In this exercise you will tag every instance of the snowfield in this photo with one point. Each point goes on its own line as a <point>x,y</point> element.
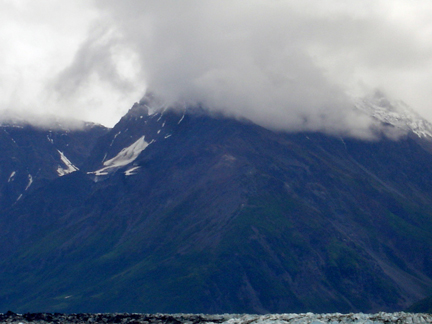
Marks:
<point>69,166</point>
<point>126,156</point>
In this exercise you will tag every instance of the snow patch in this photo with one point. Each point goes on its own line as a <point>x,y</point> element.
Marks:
<point>50,139</point>
<point>128,154</point>
<point>69,166</point>
<point>30,178</point>
<point>151,110</point>
<point>181,119</point>
<point>395,113</point>
<point>131,171</point>
<point>124,157</point>
<point>115,136</point>
<point>11,177</point>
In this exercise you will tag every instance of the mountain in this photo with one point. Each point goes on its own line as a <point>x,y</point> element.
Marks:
<point>182,210</point>
<point>32,156</point>
<point>422,306</point>
<point>395,113</point>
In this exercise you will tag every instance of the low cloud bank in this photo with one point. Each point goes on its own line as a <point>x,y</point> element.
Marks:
<point>282,63</point>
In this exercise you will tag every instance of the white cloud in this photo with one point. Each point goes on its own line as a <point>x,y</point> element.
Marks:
<point>42,41</point>
<point>283,63</point>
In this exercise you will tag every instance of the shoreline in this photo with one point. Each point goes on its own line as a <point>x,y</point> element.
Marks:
<point>140,318</point>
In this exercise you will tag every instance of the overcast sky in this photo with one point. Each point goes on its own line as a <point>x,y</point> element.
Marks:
<point>282,63</point>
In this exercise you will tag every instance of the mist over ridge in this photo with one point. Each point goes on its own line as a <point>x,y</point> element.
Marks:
<point>278,64</point>
<point>282,64</point>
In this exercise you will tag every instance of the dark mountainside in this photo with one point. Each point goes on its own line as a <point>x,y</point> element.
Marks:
<point>207,214</point>
<point>31,156</point>
<point>422,306</point>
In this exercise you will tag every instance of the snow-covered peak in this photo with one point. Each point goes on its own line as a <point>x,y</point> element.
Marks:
<point>150,103</point>
<point>396,113</point>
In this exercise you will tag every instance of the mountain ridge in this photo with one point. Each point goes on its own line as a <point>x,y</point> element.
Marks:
<point>222,215</point>
<point>33,156</point>
<point>395,113</point>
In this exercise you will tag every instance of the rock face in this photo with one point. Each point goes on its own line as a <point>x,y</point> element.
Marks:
<point>31,156</point>
<point>180,210</point>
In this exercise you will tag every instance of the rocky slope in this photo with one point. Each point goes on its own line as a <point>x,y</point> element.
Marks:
<point>32,156</point>
<point>180,210</point>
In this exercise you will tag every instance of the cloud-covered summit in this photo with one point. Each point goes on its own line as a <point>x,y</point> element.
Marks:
<point>282,63</point>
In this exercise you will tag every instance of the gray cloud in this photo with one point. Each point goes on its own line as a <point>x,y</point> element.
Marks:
<point>96,56</point>
<point>285,64</point>
<point>52,65</point>
<point>280,63</point>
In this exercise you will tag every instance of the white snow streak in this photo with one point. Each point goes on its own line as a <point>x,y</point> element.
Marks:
<point>30,178</point>
<point>180,120</point>
<point>131,171</point>
<point>11,177</point>
<point>69,166</point>
<point>128,154</point>
<point>124,157</point>
<point>115,136</point>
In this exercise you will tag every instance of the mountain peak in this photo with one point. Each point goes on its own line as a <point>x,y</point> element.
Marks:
<point>139,109</point>
<point>396,113</point>
<point>212,215</point>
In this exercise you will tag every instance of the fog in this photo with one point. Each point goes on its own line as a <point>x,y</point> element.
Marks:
<point>284,64</point>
